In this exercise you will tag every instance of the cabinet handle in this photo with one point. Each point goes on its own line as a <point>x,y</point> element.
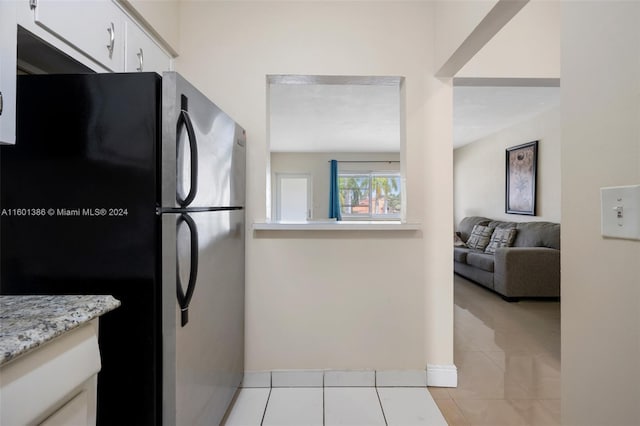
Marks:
<point>1,103</point>
<point>141,60</point>
<point>112,39</point>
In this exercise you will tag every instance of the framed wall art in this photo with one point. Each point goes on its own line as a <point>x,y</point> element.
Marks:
<point>521,170</point>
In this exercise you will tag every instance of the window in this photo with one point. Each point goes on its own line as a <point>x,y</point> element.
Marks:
<point>358,121</point>
<point>369,195</point>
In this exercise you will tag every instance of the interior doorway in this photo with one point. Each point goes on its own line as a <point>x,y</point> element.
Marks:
<point>293,197</point>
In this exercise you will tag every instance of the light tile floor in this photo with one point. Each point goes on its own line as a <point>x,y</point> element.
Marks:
<point>330,406</point>
<point>508,359</point>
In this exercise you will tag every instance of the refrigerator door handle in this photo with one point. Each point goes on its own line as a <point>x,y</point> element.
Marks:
<point>185,299</point>
<point>185,121</point>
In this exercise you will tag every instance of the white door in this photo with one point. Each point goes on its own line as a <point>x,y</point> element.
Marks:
<point>293,197</point>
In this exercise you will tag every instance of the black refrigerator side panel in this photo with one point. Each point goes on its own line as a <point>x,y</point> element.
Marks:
<point>77,203</point>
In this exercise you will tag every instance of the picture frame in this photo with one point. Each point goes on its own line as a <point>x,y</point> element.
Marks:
<point>521,175</point>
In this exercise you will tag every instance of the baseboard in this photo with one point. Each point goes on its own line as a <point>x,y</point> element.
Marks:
<point>435,375</point>
<point>349,378</point>
<point>401,378</point>
<point>297,379</point>
<point>445,376</point>
<point>256,379</point>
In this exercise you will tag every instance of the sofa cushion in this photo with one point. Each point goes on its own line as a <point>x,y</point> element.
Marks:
<point>538,234</point>
<point>480,237</point>
<point>499,224</point>
<point>480,260</point>
<point>460,254</point>
<point>501,237</point>
<point>467,224</point>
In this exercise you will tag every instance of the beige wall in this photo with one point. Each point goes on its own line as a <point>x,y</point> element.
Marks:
<point>456,20</point>
<point>316,164</point>
<point>336,299</point>
<point>600,277</point>
<point>162,15</point>
<point>528,46</point>
<point>479,171</point>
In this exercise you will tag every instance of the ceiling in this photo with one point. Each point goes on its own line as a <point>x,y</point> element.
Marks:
<point>331,114</point>
<point>481,111</point>
<point>319,117</point>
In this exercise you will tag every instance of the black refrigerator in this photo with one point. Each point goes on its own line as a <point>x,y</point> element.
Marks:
<point>133,185</point>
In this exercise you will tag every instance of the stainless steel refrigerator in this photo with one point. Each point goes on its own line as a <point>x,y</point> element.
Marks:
<point>134,185</point>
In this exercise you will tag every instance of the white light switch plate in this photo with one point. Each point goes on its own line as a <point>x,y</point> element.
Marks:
<point>621,212</point>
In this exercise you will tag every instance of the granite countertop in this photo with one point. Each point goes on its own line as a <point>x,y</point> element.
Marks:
<point>27,322</point>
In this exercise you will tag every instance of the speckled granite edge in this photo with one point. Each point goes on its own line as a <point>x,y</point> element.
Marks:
<point>27,322</point>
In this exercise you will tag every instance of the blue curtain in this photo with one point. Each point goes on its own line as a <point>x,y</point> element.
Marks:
<point>334,193</point>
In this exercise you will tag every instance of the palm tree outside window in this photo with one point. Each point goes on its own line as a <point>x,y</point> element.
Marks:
<point>369,195</point>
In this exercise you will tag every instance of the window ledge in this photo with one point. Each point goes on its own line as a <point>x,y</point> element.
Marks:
<point>336,226</point>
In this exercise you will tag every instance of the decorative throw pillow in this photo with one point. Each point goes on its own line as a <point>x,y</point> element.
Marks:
<point>457,241</point>
<point>501,238</point>
<point>479,238</point>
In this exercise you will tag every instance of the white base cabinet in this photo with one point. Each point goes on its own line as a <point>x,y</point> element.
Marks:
<point>74,412</point>
<point>55,384</point>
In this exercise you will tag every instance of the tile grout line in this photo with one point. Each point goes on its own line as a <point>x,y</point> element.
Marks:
<point>264,413</point>
<point>323,385</point>
<point>323,407</point>
<point>384,417</point>
<point>323,404</point>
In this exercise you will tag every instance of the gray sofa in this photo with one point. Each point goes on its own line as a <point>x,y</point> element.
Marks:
<point>529,268</point>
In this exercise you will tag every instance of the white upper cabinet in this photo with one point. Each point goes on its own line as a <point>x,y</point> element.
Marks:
<point>101,35</point>
<point>96,28</point>
<point>142,53</point>
<point>7,72</point>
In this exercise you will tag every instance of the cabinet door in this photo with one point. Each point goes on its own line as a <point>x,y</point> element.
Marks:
<point>8,52</point>
<point>95,28</point>
<point>142,53</point>
<point>74,412</point>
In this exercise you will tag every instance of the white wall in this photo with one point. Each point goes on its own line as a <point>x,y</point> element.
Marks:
<point>528,46</point>
<point>336,299</point>
<point>600,277</point>
<point>479,171</point>
<point>317,165</point>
